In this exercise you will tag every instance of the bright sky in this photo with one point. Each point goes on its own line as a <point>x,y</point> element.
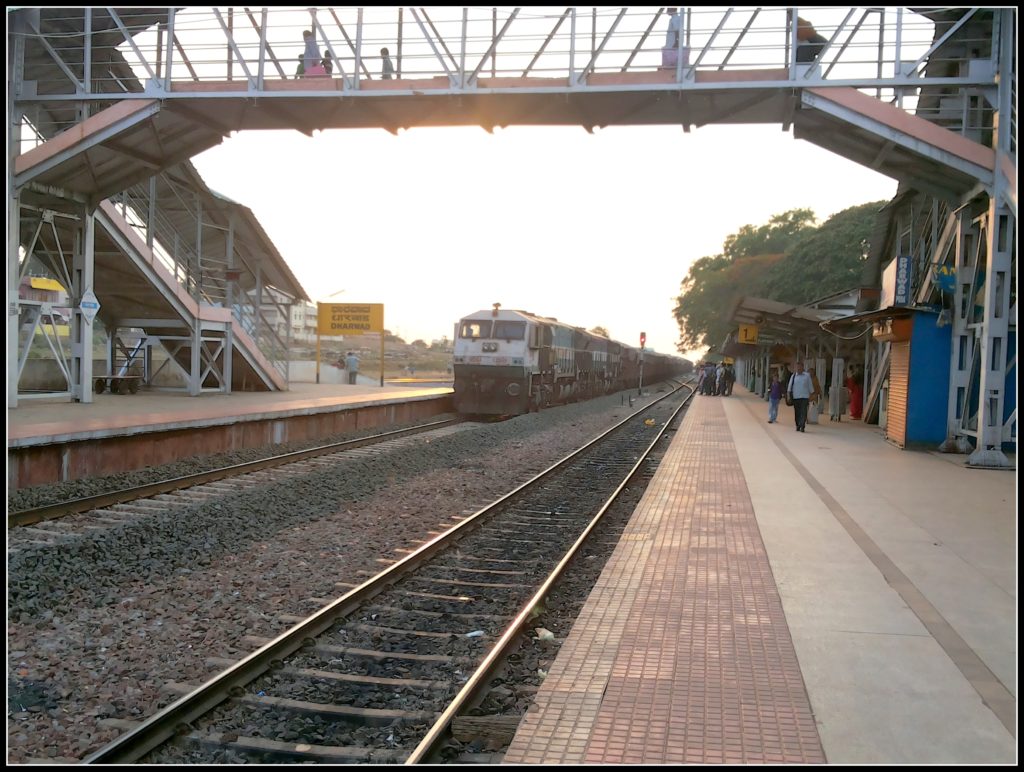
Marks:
<point>592,229</point>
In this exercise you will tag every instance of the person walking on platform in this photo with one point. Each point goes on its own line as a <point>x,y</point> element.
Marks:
<point>774,395</point>
<point>730,379</point>
<point>352,367</point>
<point>800,389</point>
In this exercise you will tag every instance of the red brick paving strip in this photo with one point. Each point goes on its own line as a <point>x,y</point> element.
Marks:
<point>682,653</point>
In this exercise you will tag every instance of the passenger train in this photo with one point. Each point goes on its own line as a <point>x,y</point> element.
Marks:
<point>514,362</point>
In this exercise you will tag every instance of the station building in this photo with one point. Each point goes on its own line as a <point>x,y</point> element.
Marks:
<point>908,341</point>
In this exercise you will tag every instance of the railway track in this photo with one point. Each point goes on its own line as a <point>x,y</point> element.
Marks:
<point>380,674</point>
<point>159,496</point>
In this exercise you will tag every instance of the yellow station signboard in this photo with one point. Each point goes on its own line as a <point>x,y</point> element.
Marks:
<point>349,318</point>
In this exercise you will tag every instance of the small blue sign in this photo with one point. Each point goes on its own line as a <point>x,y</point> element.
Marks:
<point>944,277</point>
<point>903,270</point>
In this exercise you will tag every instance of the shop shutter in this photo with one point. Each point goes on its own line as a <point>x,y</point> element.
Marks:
<point>899,388</point>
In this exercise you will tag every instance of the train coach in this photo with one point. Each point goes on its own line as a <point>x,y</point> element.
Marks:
<point>512,362</point>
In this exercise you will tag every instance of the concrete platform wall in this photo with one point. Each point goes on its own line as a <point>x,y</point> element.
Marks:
<point>77,459</point>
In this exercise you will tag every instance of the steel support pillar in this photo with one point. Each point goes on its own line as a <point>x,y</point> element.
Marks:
<point>229,333</point>
<point>81,328</point>
<point>13,304</point>
<point>994,338</point>
<point>962,337</point>
<point>1000,241</point>
<point>15,69</point>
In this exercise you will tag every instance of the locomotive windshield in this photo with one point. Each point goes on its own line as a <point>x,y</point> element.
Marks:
<point>475,328</point>
<point>504,330</point>
<point>497,329</point>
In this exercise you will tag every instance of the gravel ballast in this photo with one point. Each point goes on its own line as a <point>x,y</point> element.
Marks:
<point>99,622</point>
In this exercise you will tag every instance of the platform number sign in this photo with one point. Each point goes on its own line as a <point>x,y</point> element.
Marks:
<point>643,339</point>
<point>748,333</point>
<point>89,305</point>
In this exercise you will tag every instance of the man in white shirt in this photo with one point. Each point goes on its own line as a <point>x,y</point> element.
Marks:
<point>800,388</point>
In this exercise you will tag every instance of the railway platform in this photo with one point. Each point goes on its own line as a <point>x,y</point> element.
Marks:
<point>785,597</point>
<point>50,441</point>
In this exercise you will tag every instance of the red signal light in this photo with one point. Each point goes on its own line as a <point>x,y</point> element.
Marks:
<point>643,338</point>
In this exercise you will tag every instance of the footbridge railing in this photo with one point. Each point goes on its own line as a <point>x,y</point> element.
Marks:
<point>213,51</point>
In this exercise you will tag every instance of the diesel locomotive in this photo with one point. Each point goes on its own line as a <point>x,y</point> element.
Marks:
<point>514,362</point>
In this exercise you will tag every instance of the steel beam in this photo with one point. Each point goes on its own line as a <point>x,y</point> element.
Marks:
<point>891,134</point>
<point>118,127</point>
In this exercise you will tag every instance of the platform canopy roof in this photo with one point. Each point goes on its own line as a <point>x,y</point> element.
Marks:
<point>780,322</point>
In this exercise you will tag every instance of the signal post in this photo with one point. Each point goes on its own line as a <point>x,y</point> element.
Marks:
<point>640,386</point>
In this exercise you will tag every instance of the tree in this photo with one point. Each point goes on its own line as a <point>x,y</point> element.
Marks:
<point>599,330</point>
<point>707,295</point>
<point>828,260</point>
<point>780,232</point>
<point>787,259</point>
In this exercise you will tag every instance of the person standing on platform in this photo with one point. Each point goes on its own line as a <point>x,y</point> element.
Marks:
<point>774,395</point>
<point>856,393</point>
<point>800,389</point>
<point>809,43</point>
<point>387,69</point>
<point>719,379</point>
<point>311,56</point>
<point>352,367</point>
<point>670,53</point>
<point>730,379</point>
<point>812,407</point>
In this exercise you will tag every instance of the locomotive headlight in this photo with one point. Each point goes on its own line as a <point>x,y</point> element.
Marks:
<point>490,347</point>
<point>512,389</point>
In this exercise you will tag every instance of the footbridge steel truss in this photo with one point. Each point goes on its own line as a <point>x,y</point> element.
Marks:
<point>103,100</point>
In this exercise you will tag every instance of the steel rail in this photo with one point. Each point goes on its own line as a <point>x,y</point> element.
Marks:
<point>159,727</point>
<point>75,506</point>
<point>476,686</point>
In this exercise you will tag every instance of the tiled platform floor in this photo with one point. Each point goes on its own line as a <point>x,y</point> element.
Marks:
<point>741,619</point>
<point>682,653</point>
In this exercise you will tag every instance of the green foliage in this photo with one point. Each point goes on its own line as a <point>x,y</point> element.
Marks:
<point>779,234</point>
<point>599,330</point>
<point>828,260</point>
<point>788,259</point>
